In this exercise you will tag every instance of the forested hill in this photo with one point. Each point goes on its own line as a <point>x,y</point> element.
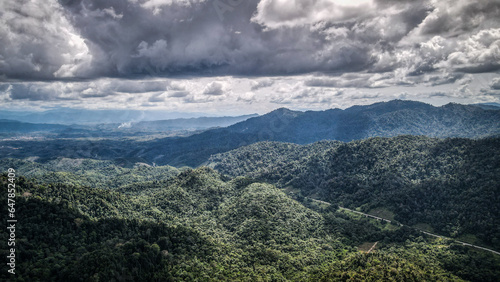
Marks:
<point>201,226</point>
<point>88,172</point>
<point>384,119</point>
<point>449,185</point>
<point>359,122</point>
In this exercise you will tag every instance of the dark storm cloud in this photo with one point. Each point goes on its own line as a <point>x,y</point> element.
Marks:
<point>437,94</point>
<point>346,81</point>
<point>4,87</point>
<point>25,92</point>
<point>90,38</point>
<point>439,80</point>
<point>95,95</point>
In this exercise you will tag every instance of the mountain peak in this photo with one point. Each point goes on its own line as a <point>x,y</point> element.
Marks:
<point>285,111</point>
<point>282,110</point>
<point>391,105</point>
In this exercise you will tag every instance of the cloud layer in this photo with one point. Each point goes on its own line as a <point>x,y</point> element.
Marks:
<point>90,38</point>
<point>345,44</point>
<point>237,95</point>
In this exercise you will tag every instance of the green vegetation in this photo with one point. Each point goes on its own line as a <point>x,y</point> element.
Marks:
<point>88,172</point>
<point>388,119</point>
<point>382,212</point>
<point>450,184</point>
<point>270,211</point>
<point>200,225</point>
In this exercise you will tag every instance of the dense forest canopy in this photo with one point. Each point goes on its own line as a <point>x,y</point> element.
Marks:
<point>252,218</point>
<point>279,197</point>
<point>202,225</point>
<point>453,185</point>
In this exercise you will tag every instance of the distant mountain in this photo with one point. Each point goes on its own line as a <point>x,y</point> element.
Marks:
<point>381,119</point>
<point>116,129</point>
<point>182,123</point>
<point>385,119</point>
<point>23,127</point>
<point>84,116</point>
<point>488,106</point>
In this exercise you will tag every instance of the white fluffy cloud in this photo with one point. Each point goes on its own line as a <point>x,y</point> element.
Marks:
<point>479,53</point>
<point>238,95</point>
<point>495,84</point>
<point>37,41</point>
<point>261,83</point>
<point>279,13</point>
<point>215,88</point>
<point>353,48</point>
<point>90,38</point>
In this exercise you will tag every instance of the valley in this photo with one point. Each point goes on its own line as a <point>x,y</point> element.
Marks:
<point>225,205</point>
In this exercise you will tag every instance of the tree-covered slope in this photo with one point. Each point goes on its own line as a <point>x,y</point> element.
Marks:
<point>382,119</point>
<point>201,225</point>
<point>88,172</point>
<point>453,185</point>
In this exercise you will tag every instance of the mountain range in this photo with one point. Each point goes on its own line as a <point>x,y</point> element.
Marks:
<point>70,116</point>
<point>385,119</point>
<point>115,129</point>
<point>279,197</point>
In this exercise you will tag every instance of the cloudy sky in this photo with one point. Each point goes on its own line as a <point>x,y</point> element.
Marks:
<point>246,56</point>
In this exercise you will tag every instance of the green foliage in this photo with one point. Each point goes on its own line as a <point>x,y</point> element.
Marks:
<point>201,225</point>
<point>125,219</point>
<point>382,267</point>
<point>88,172</point>
<point>177,229</point>
<point>262,213</point>
<point>385,119</point>
<point>450,184</point>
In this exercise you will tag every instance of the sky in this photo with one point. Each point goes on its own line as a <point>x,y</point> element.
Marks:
<point>246,56</point>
